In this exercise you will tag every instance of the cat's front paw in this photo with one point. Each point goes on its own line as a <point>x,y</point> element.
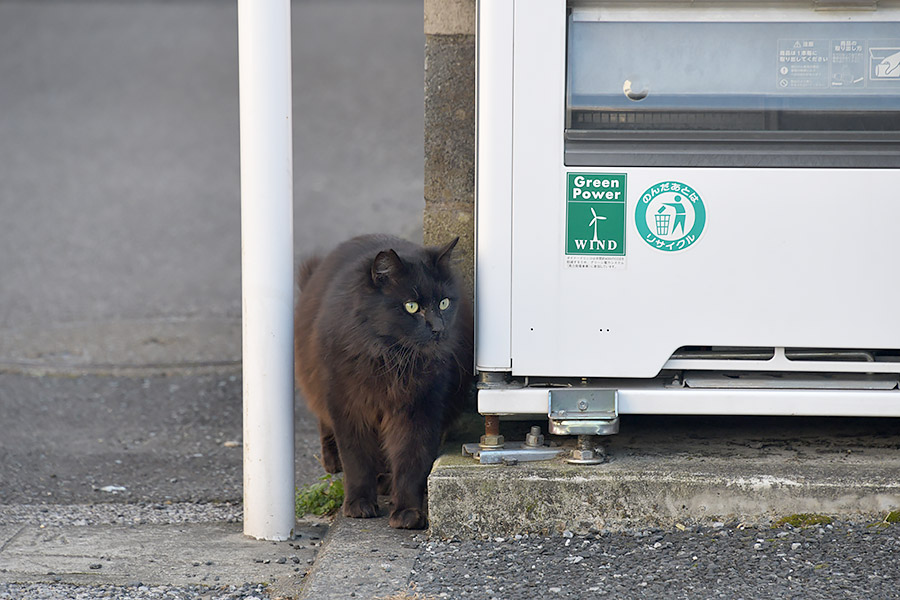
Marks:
<point>408,518</point>
<point>361,508</point>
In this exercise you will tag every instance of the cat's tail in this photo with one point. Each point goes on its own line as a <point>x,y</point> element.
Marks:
<point>307,268</point>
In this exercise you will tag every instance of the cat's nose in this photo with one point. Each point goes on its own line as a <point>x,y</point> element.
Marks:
<point>437,329</point>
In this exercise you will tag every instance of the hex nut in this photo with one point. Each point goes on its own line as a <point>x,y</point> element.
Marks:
<point>582,454</point>
<point>534,439</point>
<point>491,441</point>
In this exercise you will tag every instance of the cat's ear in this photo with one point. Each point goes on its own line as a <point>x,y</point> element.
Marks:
<point>386,266</point>
<point>442,255</point>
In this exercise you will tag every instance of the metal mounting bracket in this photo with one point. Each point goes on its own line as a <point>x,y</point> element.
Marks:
<point>583,411</point>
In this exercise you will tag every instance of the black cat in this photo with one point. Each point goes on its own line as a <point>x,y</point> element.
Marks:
<point>383,351</point>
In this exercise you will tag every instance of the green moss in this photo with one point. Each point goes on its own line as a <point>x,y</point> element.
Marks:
<point>322,499</point>
<point>893,517</point>
<point>804,520</point>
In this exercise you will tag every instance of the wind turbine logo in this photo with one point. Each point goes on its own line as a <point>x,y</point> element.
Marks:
<point>593,224</point>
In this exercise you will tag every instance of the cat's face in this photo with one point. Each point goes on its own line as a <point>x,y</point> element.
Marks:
<point>417,298</point>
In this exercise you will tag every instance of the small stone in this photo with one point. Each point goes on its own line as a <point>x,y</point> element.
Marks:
<point>281,560</point>
<point>96,566</point>
<point>554,590</point>
<point>567,534</point>
<point>232,444</point>
<point>795,545</point>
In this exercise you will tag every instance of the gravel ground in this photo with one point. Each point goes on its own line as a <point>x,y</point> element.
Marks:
<point>62,515</point>
<point>58,591</point>
<point>838,560</point>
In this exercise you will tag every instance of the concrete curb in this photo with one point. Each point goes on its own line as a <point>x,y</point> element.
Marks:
<point>363,558</point>
<point>211,554</point>
<point>449,17</point>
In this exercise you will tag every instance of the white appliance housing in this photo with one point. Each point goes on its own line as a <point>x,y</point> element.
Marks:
<point>703,241</point>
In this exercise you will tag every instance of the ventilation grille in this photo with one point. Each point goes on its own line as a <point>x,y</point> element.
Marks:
<point>739,353</point>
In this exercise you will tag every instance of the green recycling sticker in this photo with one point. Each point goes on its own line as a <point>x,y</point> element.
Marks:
<point>595,214</point>
<point>670,216</point>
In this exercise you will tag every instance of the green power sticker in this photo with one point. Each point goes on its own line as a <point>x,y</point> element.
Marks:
<point>595,214</point>
<point>670,216</point>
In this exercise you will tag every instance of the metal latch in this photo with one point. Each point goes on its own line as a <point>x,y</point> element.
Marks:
<point>582,411</point>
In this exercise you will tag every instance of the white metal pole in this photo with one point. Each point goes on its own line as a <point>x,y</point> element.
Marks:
<point>264,47</point>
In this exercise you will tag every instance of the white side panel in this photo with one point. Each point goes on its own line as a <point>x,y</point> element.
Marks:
<point>538,120</point>
<point>493,185</point>
<point>650,399</point>
<point>801,403</point>
<point>525,401</point>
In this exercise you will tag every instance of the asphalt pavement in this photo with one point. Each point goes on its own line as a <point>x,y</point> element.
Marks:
<point>119,178</point>
<point>120,382</point>
<point>119,196</point>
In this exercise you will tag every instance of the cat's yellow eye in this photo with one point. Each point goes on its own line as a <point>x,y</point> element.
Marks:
<point>445,304</point>
<point>412,307</point>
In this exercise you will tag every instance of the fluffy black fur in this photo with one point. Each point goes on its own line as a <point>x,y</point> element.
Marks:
<point>384,380</point>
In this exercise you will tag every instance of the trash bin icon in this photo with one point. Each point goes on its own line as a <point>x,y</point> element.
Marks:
<point>662,223</point>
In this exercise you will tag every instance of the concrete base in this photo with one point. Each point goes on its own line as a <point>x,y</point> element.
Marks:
<point>669,470</point>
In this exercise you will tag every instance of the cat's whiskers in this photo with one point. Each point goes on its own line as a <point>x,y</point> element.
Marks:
<point>395,358</point>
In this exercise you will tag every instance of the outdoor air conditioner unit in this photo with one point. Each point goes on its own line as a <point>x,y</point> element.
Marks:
<point>687,208</point>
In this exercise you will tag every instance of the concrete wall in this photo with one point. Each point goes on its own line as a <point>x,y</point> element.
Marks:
<point>450,127</point>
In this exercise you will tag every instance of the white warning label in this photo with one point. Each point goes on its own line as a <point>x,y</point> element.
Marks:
<point>803,64</point>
